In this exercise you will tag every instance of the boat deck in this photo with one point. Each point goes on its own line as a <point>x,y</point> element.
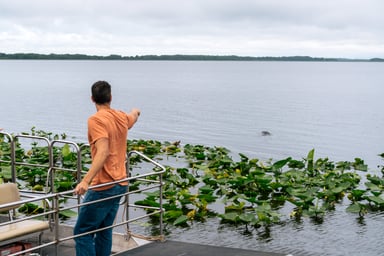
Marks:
<point>173,248</point>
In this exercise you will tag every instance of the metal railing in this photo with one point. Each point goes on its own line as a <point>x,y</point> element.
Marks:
<point>151,180</point>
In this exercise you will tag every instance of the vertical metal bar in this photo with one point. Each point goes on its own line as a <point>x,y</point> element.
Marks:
<point>51,170</point>
<point>127,195</point>
<point>161,203</point>
<point>56,220</point>
<point>78,174</point>
<point>13,158</point>
<point>12,161</point>
<point>79,157</point>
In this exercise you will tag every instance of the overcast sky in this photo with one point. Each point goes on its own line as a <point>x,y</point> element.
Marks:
<point>326,28</point>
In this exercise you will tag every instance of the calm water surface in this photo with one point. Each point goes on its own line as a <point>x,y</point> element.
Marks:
<point>335,108</point>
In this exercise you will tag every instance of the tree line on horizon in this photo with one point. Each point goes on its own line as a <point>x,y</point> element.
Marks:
<point>179,57</point>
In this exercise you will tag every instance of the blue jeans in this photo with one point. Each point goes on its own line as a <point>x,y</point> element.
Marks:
<point>95,216</point>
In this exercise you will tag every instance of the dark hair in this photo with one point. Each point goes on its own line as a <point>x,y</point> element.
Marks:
<point>101,92</point>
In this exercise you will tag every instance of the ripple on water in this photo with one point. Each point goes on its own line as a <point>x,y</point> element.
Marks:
<point>340,233</point>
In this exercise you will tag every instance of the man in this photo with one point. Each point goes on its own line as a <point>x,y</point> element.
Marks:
<point>107,136</point>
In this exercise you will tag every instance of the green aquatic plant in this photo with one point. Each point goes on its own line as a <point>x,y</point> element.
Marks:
<point>204,182</point>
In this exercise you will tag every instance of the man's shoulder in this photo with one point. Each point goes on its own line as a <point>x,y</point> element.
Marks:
<point>97,117</point>
<point>107,115</point>
<point>118,113</point>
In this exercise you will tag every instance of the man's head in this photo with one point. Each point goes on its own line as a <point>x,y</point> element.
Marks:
<point>101,92</point>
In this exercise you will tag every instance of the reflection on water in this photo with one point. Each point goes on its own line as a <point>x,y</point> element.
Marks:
<point>336,236</point>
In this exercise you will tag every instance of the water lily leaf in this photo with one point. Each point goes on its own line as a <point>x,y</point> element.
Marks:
<point>148,202</point>
<point>264,207</point>
<point>68,213</point>
<point>376,180</point>
<point>206,189</point>
<point>243,157</point>
<point>152,194</point>
<point>310,157</point>
<point>280,164</point>
<point>337,190</point>
<point>376,193</point>
<point>263,179</point>
<point>248,217</point>
<point>372,186</point>
<point>232,207</point>
<point>5,172</point>
<point>173,214</point>
<point>376,199</point>
<point>360,165</point>
<point>357,193</point>
<point>296,164</point>
<point>296,191</point>
<point>66,151</point>
<point>230,216</point>
<point>354,208</point>
<point>262,216</point>
<point>200,156</point>
<point>180,220</point>
<point>174,179</point>
<point>208,198</point>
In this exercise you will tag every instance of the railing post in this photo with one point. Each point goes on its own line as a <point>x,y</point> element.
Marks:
<point>57,222</point>
<point>13,158</point>
<point>127,166</point>
<point>51,176</point>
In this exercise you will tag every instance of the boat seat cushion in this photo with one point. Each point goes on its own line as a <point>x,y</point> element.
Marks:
<point>17,228</point>
<point>22,228</point>
<point>9,194</point>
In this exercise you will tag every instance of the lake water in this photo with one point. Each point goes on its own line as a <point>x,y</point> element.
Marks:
<point>335,108</point>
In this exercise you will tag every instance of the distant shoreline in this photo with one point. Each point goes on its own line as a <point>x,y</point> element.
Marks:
<point>176,57</point>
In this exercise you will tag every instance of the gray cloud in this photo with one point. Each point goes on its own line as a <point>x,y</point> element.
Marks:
<point>329,28</point>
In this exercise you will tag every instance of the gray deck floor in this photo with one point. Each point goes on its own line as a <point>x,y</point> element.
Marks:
<point>173,248</point>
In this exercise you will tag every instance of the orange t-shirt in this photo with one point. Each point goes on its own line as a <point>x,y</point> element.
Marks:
<point>113,125</point>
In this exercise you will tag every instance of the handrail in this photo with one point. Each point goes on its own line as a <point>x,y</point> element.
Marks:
<point>25,201</point>
<point>54,197</point>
